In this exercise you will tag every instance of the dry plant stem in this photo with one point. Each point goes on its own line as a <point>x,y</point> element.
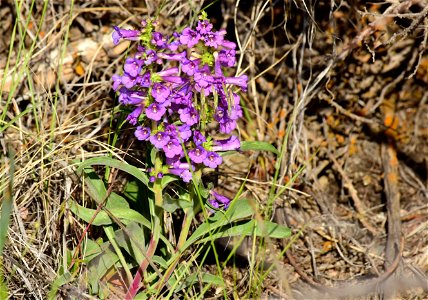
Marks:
<point>392,193</point>
<point>99,207</point>
<point>359,206</point>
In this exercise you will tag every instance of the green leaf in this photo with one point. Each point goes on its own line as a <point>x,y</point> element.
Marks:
<point>91,250</point>
<point>132,241</point>
<point>170,204</point>
<point>166,179</point>
<point>116,201</point>
<point>258,146</point>
<point>124,214</point>
<point>99,266</point>
<point>114,163</point>
<point>272,230</point>
<point>240,210</point>
<point>58,282</point>
<point>252,228</point>
<point>6,204</point>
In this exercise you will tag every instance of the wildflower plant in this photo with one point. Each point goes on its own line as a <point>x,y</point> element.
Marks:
<point>181,100</point>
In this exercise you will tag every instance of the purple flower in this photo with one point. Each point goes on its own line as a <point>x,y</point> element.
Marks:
<point>133,66</point>
<point>174,56</point>
<point>227,58</point>
<point>232,143</point>
<point>203,77</point>
<point>184,174</point>
<point>227,126</point>
<point>134,115</point>
<point>184,132</point>
<point>127,34</point>
<point>171,130</point>
<point>117,81</point>
<point>168,72</point>
<point>159,139</point>
<point>217,200</point>
<point>173,46</point>
<point>145,81</point>
<point>189,37</point>
<point>172,148</point>
<point>214,39</point>
<point>158,39</point>
<point>198,154</point>
<point>240,81</point>
<point>173,161</point>
<point>160,92</point>
<point>213,160</point>
<point>228,44</point>
<point>128,81</point>
<point>127,97</point>
<point>204,27</point>
<point>189,115</point>
<point>142,133</point>
<point>155,111</point>
<point>190,66</point>
<point>198,138</point>
<point>151,57</point>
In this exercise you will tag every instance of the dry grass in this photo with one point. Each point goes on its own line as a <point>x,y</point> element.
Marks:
<point>333,85</point>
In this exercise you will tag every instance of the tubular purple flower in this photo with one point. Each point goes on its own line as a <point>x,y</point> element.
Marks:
<point>174,162</point>
<point>128,81</point>
<point>171,130</point>
<point>190,66</point>
<point>232,143</point>
<point>117,81</point>
<point>129,97</point>
<point>151,57</point>
<point>184,132</point>
<point>227,57</point>
<point>189,115</point>
<point>127,34</point>
<point>198,138</point>
<point>133,66</point>
<point>168,72</point>
<point>204,27</point>
<point>178,56</point>
<point>227,126</point>
<point>160,92</point>
<point>132,118</point>
<point>155,111</point>
<point>218,199</point>
<point>214,39</point>
<point>228,44</point>
<point>158,39</point>
<point>189,37</point>
<point>142,133</point>
<point>172,148</point>
<point>240,81</point>
<point>144,80</point>
<point>173,46</point>
<point>198,154</point>
<point>184,174</point>
<point>159,139</point>
<point>176,80</point>
<point>203,77</point>
<point>213,160</point>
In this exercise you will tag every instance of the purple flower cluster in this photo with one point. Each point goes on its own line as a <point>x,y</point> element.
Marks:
<point>176,86</point>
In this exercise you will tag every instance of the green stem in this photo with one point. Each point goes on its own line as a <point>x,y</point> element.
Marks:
<point>157,218</point>
<point>187,222</point>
